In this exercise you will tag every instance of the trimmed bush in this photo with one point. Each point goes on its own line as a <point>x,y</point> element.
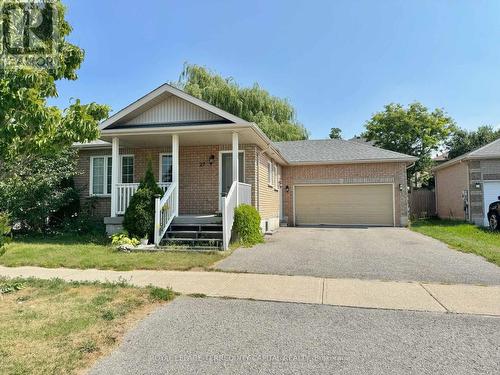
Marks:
<point>139,219</point>
<point>247,225</point>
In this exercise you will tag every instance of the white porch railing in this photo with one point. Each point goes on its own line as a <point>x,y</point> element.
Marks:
<point>239,193</point>
<point>125,193</point>
<point>165,211</point>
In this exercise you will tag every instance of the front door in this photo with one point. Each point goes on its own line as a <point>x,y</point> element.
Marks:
<point>226,171</point>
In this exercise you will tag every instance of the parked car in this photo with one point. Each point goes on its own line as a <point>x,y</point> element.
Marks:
<point>494,215</point>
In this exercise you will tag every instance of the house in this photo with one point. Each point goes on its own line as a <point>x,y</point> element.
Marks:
<point>208,161</point>
<point>466,185</point>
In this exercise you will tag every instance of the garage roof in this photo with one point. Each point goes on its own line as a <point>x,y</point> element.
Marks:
<point>337,151</point>
<point>491,150</point>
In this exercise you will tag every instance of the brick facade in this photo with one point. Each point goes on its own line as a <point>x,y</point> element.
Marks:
<point>199,180</point>
<point>450,184</point>
<point>481,171</point>
<point>345,174</point>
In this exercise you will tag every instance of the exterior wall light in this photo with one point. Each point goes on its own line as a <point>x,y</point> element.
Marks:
<point>478,185</point>
<point>400,187</point>
<point>287,188</point>
<point>211,159</point>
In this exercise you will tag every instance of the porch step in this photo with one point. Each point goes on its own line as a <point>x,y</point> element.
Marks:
<point>195,231</point>
<point>198,219</point>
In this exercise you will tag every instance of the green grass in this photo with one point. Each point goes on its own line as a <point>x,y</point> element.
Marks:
<point>462,236</point>
<point>94,252</point>
<point>55,327</point>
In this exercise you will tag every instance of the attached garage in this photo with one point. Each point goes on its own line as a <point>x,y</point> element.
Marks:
<point>366,204</point>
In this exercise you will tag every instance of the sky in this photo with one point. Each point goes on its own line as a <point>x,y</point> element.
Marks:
<point>337,62</point>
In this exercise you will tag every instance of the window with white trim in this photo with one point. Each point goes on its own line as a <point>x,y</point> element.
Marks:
<point>127,169</point>
<point>100,171</point>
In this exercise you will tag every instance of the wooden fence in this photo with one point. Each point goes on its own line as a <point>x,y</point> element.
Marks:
<point>422,203</point>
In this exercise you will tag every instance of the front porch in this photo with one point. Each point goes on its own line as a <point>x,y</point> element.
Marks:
<point>200,174</point>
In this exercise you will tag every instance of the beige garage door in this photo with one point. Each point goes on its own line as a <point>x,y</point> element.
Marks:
<point>344,205</point>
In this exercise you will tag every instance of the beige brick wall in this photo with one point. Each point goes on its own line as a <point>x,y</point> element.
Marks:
<point>450,184</point>
<point>198,179</point>
<point>345,174</point>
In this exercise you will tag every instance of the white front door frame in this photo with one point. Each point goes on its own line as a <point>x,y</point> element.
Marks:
<point>220,171</point>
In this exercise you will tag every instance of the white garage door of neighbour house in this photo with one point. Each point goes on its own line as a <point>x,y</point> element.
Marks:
<point>491,193</point>
<point>344,205</point>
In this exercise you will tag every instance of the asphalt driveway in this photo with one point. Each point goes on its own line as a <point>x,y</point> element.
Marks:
<point>365,253</point>
<point>217,336</point>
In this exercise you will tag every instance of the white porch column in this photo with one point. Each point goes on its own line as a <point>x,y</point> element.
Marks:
<point>236,159</point>
<point>175,169</point>
<point>115,173</point>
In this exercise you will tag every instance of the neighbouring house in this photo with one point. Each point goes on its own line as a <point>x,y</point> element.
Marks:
<point>207,161</point>
<point>466,185</point>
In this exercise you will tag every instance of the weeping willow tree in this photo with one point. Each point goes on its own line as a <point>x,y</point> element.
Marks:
<point>275,116</point>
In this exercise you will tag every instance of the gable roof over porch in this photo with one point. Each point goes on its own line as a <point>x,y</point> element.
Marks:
<point>167,106</point>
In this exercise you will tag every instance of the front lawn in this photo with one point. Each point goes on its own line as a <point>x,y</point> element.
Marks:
<point>53,327</point>
<point>91,252</point>
<point>462,236</point>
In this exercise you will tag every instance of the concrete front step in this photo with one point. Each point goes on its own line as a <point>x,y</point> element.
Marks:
<point>198,219</point>
<point>196,231</point>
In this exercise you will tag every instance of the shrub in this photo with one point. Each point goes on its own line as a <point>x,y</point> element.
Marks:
<point>122,238</point>
<point>37,190</point>
<point>246,225</point>
<point>139,219</point>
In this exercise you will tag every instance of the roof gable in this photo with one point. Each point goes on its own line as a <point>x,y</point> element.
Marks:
<point>166,105</point>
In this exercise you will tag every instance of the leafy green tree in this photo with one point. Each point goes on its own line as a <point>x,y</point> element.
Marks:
<point>33,188</point>
<point>36,159</point>
<point>463,141</point>
<point>27,123</point>
<point>411,130</point>
<point>335,133</point>
<point>139,217</point>
<point>275,116</point>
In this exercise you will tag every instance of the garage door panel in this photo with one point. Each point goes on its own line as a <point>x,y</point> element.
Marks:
<point>344,205</point>
<point>491,191</point>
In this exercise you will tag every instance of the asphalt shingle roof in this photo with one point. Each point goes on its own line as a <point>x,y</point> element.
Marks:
<point>491,149</point>
<point>335,150</point>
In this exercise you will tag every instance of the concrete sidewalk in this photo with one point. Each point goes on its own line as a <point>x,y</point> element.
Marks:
<point>465,299</point>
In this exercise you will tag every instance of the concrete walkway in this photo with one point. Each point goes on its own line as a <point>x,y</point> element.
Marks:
<point>465,299</point>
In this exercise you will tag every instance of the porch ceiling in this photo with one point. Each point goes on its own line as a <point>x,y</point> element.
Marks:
<point>197,138</point>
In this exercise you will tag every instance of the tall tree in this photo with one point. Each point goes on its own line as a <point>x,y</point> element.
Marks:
<point>35,137</point>
<point>413,130</point>
<point>463,141</point>
<point>275,116</point>
<point>27,123</point>
<point>335,133</point>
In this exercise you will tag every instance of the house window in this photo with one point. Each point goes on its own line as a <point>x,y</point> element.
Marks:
<point>100,167</point>
<point>166,168</point>
<point>275,176</point>
<point>270,172</point>
<point>127,169</point>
